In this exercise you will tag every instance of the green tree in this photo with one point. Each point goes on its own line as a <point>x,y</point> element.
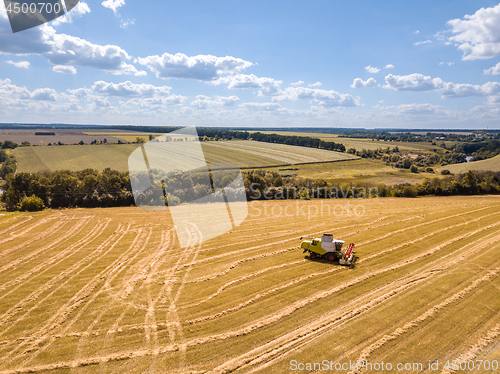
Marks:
<point>31,204</point>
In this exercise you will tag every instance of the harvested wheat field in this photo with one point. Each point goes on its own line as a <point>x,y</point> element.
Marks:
<point>110,291</point>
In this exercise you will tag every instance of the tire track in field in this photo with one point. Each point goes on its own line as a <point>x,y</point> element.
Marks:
<point>44,266</point>
<point>17,308</point>
<point>71,232</point>
<point>172,318</point>
<point>150,323</point>
<point>282,346</point>
<point>62,314</point>
<point>245,361</point>
<point>16,234</point>
<point>107,275</point>
<point>130,283</point>
<point>246,277</point>
<point>423,224</point>
<point>477,348</point>
<point>427,314</point>
<point>27,218</point>
<point>280,288</point>
<point>27,243</point>
<point>378,254</point>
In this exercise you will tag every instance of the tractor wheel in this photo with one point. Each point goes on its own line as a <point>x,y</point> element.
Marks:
<point>312,256</point>
<point>330,257</point>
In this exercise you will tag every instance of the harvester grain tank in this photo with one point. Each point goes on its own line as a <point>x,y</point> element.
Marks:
<point>329,248</point>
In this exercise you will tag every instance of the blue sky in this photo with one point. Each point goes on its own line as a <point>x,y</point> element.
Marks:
<point>369,64</point>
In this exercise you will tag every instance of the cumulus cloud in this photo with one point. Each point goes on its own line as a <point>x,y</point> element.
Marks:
<point>261,107</point>
<point>317,96</point>
<point>371,69</point>
<point>62,49</point>
<point>78,11</point>
<point>129,89</point>
<point>495,70</point>
<point>317,84</point>
<point>200,67</point>
<point>20,64</point>
<point>113,4</point>
<point>266,86</point>
<point>413,82</point>
<point>477,35</point>
<point>297,83</point>
<point>423,42</point>
<point>419,82</point>
<point>7,89</point>
<point>416,32</point>
<point>360,83</point>
<point>418,109</point>
<point>64,69</point>
<point>446,63</point>
<point>389,66</point>
<point>47,94</point>
<point>203,102</point>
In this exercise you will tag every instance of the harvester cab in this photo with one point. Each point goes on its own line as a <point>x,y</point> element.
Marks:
<point>329,248</point>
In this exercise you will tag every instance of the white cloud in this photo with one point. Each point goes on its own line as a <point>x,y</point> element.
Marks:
<point>413,82</point>
<point>261,107</point>
<point>389,66</point>
<point>11,91</point>
<point>124,24</point>
<point>78,11</point>
<point>495,70</point>
<point>416,32</point>
<point>200,67</point>
<point>47,94</point>
<point>360,83</point>
<point>62,49</point>
<point>129,89</point>
<point>20,64</point>
<point>202,102</point>
<point>371,69</point>
<point>64,69</point>
<point>297,83</point>
<point>317,96</point>
<point>478,35</point>
<point>418,109</point>
<point>419,82</point>
<point>266,86</point>
<point>317,84</point>
<point>113,4</point>
<point>423,42</point>
<point>446,63</point>
<point>464,90</point>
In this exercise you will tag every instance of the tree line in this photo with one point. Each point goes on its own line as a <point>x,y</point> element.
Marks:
<point>110,188</point>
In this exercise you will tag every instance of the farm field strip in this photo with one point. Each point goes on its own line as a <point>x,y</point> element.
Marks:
<point>118,289</point>
<point>244,153</point>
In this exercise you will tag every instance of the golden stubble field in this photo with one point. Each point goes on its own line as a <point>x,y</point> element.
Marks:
<point>110,291</point>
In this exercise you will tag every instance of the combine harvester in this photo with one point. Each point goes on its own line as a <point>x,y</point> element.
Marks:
<point>329,248</point>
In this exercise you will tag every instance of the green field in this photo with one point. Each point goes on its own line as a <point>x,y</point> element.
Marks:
<point>355,171</point>
<point>491,164</point>
<point>110,290</point>
<point>360,143</point>
<point>244,153</point>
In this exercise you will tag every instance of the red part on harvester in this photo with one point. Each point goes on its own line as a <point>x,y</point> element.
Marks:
<point>349,251</point>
